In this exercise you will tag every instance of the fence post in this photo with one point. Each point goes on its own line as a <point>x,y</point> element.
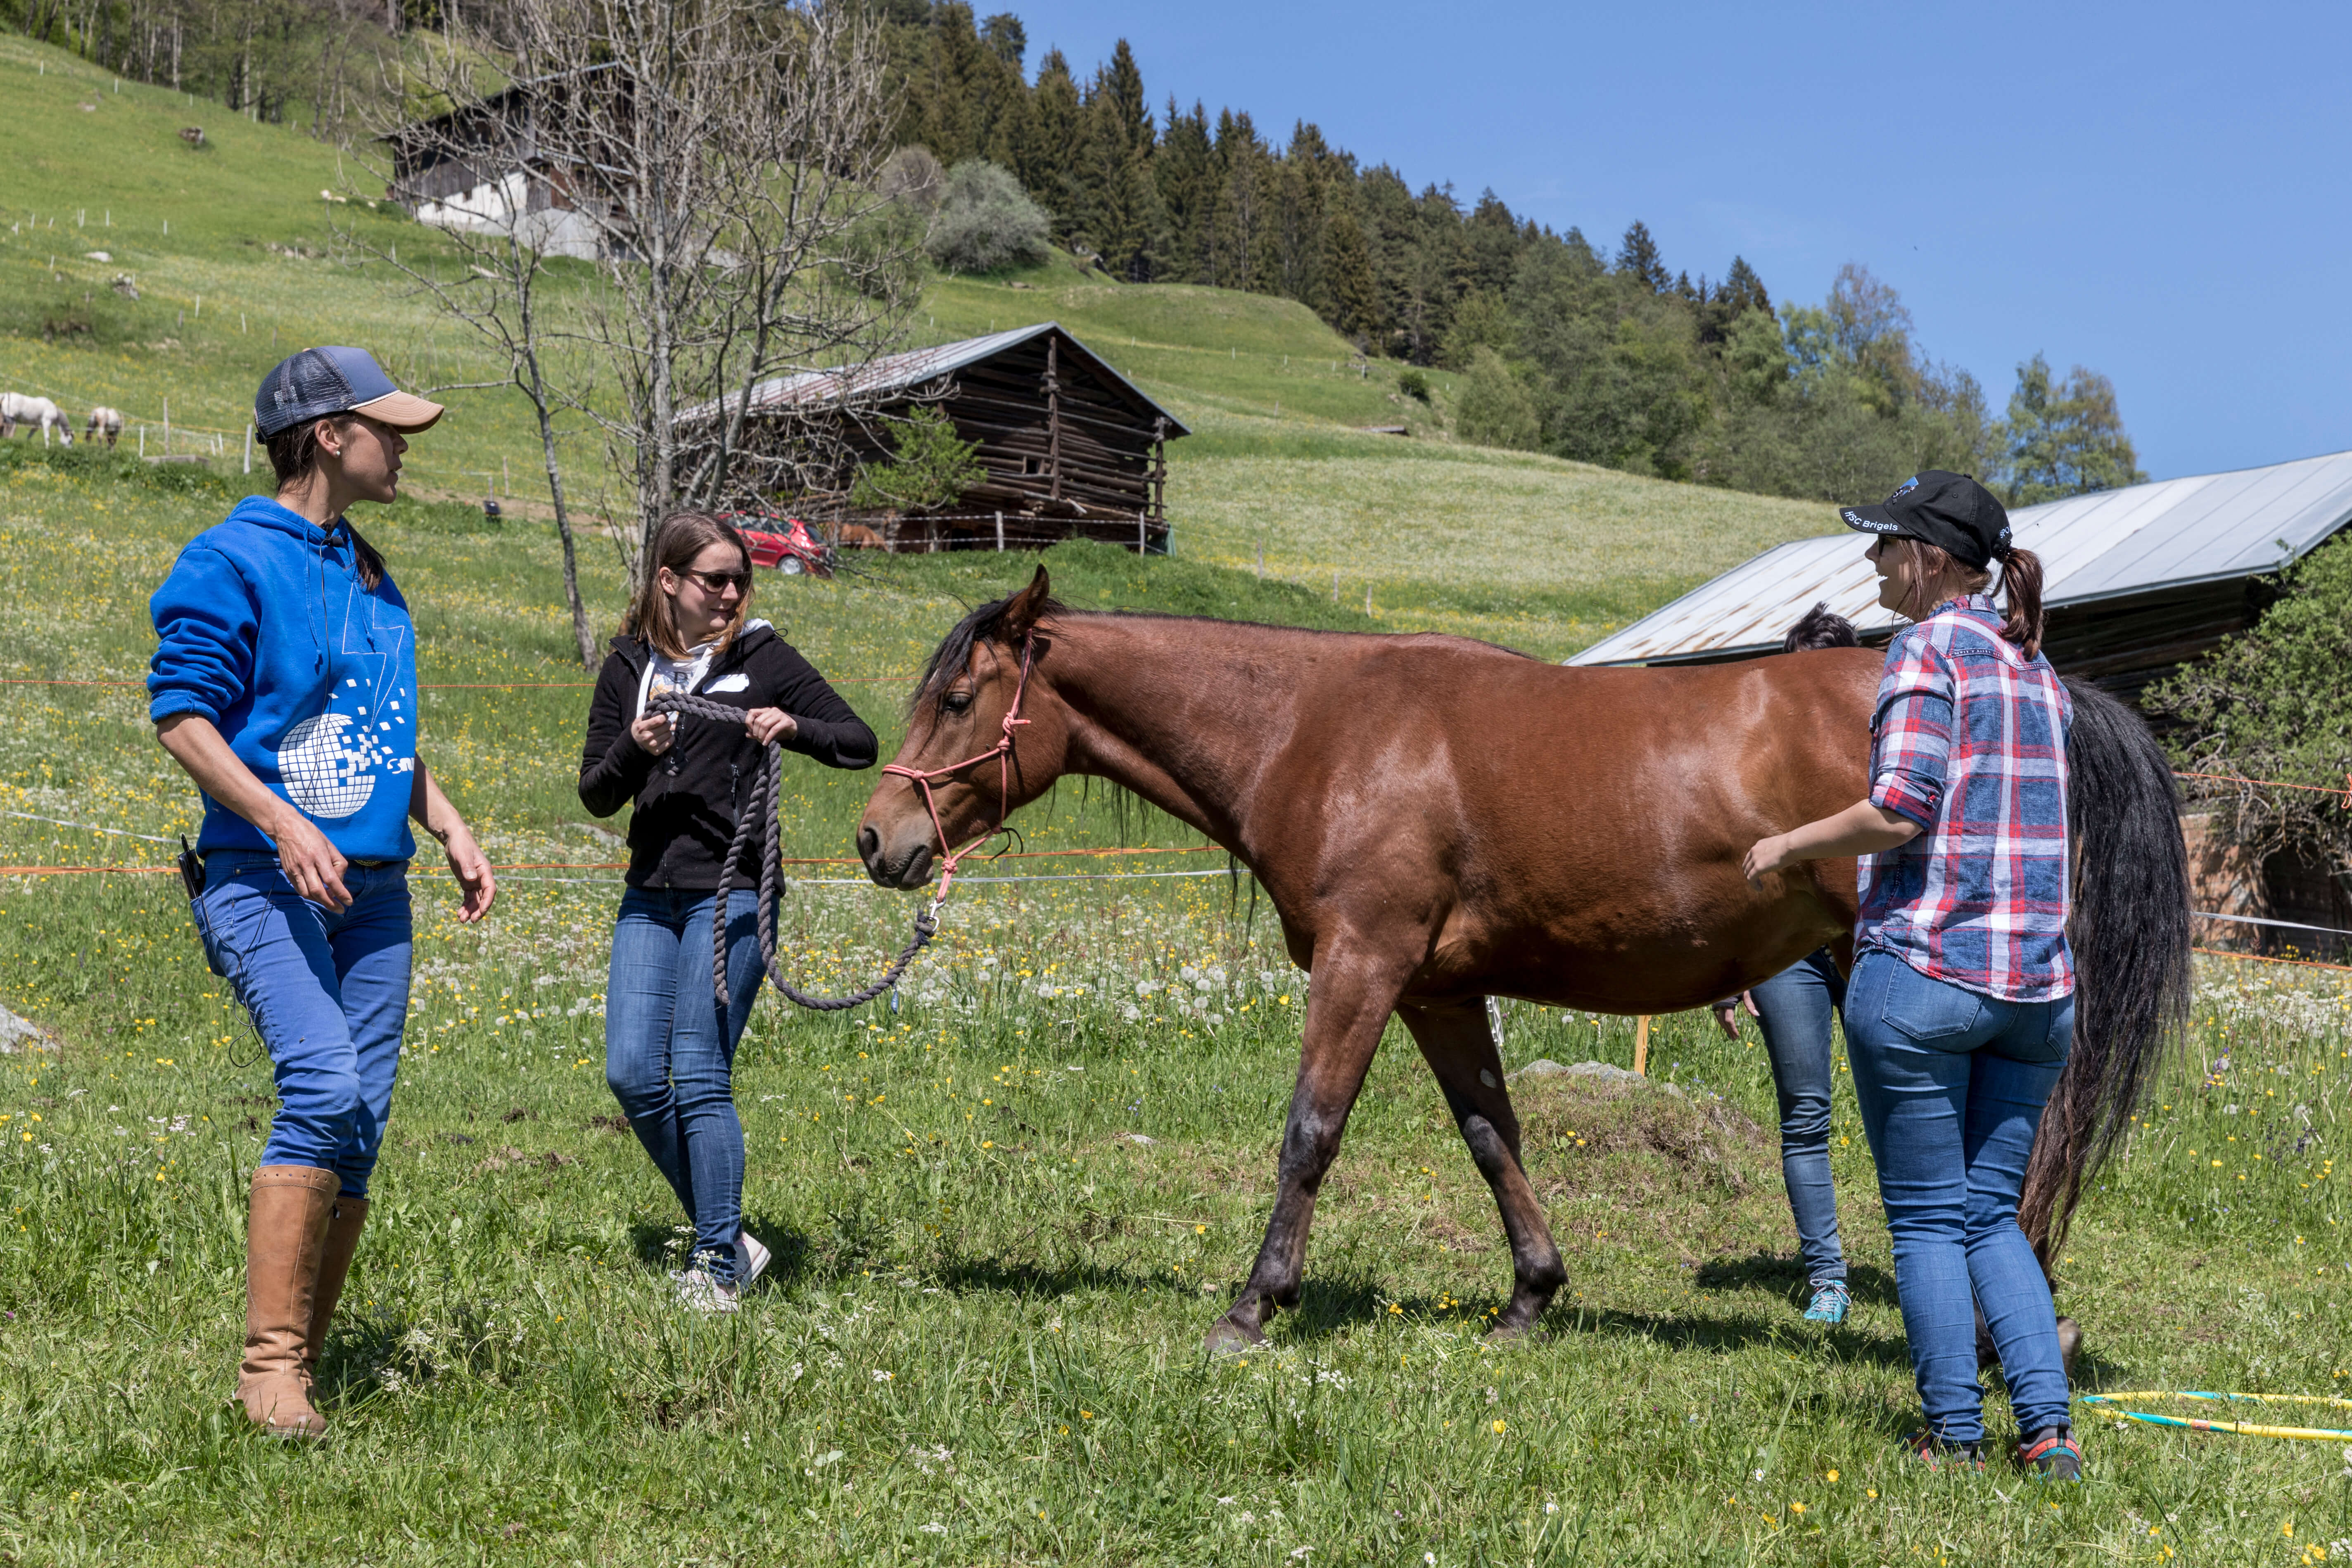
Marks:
<point>1142,535</point>
<point>1000,533</point>
<point>1642,1045</point>
<point>248,445</point>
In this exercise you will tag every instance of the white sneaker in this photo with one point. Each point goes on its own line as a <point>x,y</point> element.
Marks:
<point>751,1261</point>
<point>701,1291</point>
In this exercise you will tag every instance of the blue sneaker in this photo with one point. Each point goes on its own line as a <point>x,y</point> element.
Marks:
<point>1830,1300</point>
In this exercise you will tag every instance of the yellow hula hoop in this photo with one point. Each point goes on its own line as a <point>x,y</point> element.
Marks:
<point>2236,1428</point>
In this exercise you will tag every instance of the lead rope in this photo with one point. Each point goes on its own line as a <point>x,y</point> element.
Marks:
<point>766,792</point>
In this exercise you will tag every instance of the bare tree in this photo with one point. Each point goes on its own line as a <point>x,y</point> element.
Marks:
<point>725,156</point>
<point>469,169</point>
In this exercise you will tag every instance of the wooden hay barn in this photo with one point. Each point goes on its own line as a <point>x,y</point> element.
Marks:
<point>485,168</point>
<point>1072,448</point>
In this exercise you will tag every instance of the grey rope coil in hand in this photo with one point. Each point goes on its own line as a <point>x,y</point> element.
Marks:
<point>767,791</point>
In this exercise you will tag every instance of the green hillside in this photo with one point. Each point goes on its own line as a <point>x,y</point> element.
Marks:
<point>232,250</point>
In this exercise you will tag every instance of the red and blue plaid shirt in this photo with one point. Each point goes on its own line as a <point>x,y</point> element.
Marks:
<point>1970,742</point>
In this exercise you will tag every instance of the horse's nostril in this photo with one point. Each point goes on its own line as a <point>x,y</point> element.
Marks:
<point>869,844</point>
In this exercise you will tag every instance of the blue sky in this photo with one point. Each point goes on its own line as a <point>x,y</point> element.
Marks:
<point>2157,191</point>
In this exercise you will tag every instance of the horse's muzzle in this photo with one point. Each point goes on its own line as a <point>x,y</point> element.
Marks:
<point>904,865</point>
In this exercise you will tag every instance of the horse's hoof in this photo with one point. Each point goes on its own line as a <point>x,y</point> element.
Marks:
<point>1226,1337</point>
<point>2069,1340</point>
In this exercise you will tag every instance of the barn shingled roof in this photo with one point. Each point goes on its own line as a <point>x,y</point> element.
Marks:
<point>915,367</point>
<point>2172,533</point>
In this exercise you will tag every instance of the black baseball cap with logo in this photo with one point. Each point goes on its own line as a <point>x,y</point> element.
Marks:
<point>1951,511</point>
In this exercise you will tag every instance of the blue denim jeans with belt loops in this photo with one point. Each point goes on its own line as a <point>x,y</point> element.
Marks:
<point>1795,1008</point>
<point>669,1053</point>
<point>327,992</point>
<point>1952,1086</point>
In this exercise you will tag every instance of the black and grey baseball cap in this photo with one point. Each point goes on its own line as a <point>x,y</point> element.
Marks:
<point>1951,511</point>
<point>315,383</point>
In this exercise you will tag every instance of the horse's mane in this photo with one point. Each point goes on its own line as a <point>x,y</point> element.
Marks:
<point>954,653</point>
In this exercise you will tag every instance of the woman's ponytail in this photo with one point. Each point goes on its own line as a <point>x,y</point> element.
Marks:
<point>2020,581</point>
<point>366,559</point>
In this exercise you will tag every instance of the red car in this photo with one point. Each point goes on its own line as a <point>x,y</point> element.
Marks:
<point>783,543</point>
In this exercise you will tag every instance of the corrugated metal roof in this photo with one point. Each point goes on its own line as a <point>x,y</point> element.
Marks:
<point>900,372</point>
<point>2170,533</point>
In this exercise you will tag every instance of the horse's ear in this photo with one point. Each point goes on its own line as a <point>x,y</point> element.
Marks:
<point>1021,614</point>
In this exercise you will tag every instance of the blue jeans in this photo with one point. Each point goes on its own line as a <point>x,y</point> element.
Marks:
<point>1952,1087</point>
<point>327,992</point>
<point>1795,1007</point>
<point>669,1055</point>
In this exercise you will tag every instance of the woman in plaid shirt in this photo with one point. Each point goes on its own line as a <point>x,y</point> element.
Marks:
<point>1960,1008</point>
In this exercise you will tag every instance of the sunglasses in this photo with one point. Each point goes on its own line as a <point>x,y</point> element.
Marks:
<point>720,581</point>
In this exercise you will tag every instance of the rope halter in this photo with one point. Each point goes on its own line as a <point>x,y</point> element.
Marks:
<point>1003,752</point>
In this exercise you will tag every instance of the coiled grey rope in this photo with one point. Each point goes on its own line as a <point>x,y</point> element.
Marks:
<point>767,791</point>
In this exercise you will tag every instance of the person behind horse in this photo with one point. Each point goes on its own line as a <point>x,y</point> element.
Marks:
<point>1961,1009</point>
<point>669,1052</point>
<point>1794,1009</point>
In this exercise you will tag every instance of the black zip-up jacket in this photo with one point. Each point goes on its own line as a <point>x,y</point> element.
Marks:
<point>687,798</point>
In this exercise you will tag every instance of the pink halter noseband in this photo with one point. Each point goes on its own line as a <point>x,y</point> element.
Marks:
<point>1001,751</point>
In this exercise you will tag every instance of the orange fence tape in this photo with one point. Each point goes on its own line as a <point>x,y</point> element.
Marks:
<point>2265,957</point>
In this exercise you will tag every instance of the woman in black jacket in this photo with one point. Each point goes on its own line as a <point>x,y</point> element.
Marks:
<point>668,1054</point>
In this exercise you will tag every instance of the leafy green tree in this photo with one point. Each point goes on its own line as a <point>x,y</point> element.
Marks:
<point>1494,408</point>
<point>1481,321</point>
<point>1755,362</point>
<point>931,467</point>
<point>2275,702</point>
<point>2063,438</point>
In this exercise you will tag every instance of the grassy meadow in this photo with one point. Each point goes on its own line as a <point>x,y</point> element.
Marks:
<point>1004,1210</point>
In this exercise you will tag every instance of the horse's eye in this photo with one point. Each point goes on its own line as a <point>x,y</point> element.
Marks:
<point>957,701</point>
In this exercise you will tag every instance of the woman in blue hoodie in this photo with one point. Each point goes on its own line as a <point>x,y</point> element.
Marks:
<point>285,682</point>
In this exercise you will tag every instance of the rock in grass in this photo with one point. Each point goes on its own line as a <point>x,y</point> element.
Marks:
<point>20,1033</point>
<point>1544,1067</point>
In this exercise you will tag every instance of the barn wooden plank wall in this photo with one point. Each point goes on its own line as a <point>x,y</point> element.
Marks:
<point>1070,452</point>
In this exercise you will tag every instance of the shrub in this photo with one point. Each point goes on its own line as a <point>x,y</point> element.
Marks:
<point>1414,383</point>
<point>2275,702</point>
<point>985,221</point>
<point>1494,408</point>
<point>915,178</point>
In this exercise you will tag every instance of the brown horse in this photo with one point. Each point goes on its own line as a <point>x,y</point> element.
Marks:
<point>1437,820</point>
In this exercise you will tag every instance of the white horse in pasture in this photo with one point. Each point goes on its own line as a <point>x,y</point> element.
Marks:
<point>16,409</point>
<point>106,422</point>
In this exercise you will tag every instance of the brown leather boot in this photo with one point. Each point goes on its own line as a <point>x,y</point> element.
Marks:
<point>285,1225</point>
<point>334,1263</point>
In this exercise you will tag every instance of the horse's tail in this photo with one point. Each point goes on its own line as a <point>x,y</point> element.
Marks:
<point>2129,933</point>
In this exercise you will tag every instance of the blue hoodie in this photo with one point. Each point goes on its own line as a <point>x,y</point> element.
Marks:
<point>264,628</point>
